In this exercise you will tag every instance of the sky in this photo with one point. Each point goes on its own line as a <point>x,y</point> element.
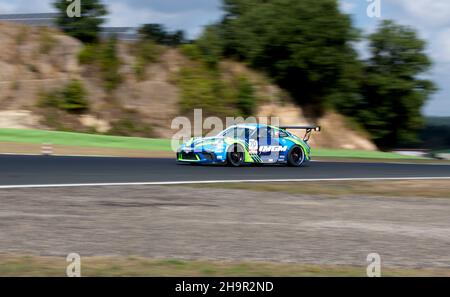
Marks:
<point>431,18</point>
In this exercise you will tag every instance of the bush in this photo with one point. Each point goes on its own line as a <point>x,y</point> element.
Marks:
<point>245,98</point>
<point>110,64</point>
<point>47,41</point>
<point>158,33</point>
<point>88,55</point>
<point>210,45</point>
<point>191,51</point>
<point>146,52</point>
<point>206,50</point>
<point>204,87</point>
<point>201,89</point>
<point>104,57</point>
<point>72,98</point>
<point>22,35</point>
<point>130,126</point>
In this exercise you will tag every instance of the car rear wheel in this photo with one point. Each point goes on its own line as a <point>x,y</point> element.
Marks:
<point>296,156</point>
<point>235,156</point>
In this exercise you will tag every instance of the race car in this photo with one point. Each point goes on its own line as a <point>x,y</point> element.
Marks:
<point>249,144</point>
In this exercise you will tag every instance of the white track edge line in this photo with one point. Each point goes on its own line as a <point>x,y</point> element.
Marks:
<point>219,182</point>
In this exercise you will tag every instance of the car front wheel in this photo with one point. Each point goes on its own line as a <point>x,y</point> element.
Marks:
<point>235,156</point>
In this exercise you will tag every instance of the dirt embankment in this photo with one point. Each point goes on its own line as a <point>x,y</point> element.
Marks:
<point>37,60</point>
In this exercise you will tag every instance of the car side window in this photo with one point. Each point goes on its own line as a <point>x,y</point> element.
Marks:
<point>230,133</point>
<point>238,133</point>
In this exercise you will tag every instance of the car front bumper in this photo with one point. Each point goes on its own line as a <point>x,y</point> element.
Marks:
<point>203,157</point>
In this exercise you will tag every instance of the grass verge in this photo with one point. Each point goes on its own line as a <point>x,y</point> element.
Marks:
<point>416,188</point>
<point>83,140</point>
<point>340,153</point>
<point>136,266</point>
<point>160,145</point>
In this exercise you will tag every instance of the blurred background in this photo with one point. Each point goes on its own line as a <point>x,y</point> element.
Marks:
<point>374,74</point>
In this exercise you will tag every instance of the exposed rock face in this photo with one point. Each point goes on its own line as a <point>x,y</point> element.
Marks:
<point>18,119</point>
<point>35,60</point>
<point>99,125</point>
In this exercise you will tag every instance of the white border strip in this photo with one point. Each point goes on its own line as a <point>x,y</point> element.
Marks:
<point>221,182</point>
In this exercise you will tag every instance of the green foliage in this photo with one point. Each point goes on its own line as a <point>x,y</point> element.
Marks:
<point>208,48</point>
<point>130,125</point>
<point>191,51</point>
<point>104,56</point>
<point>206,88</point>
<point>158,34</point>
<point>71,98</point>
<point>22,36</point>
<point>145,52</point>
<point>109,63</point>
<point>47,41</point>
<point>56,119</point>
<point>33,68</point>
<point>245,99</point>
<point>200,88</point>
<point>210,45</point>
<point>74,97</point>
<point>393,95</point>
<point>304,45</point>
<point>435,136</point>
<point>85,28</point>
<point>140,69</point>
<point>15,86</point>
<point>88,54</point>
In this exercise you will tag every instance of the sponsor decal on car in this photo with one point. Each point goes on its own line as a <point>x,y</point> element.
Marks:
<point>272,148</point>
<point>253,146</point>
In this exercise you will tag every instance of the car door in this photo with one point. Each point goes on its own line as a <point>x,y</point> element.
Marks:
<point>269,146</point>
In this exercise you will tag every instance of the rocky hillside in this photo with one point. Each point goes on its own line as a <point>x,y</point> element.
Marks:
<point>39,61</point>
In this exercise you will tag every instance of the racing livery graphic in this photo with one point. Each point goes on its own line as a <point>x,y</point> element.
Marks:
<point>250,143</point>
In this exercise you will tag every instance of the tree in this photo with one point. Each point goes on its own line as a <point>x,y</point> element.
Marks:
<point>211,45</point>
<point>109,63</point>
<point>176,38</point>
<point>155,32</point>
<point>393,90</point>
<point>305,45</point>
<point>74,97</point>
<point>85,28</point>
<point>71,98</point>
<point>158,34</point>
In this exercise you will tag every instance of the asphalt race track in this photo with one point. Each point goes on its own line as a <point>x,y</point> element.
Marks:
<point>47,170</point>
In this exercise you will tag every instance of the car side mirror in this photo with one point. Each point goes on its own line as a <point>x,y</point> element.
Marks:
<point>283,135</point>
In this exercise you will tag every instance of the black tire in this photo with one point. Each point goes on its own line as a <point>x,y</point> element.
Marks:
<point>296,156</point>
<point>235,156</point>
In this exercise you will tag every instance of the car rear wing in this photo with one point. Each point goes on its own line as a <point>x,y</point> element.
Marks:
<point>308,129</point>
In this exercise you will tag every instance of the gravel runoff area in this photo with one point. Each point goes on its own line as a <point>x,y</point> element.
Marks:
<point>225,224</point>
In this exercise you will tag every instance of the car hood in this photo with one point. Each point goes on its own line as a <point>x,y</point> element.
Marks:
<point>203,141</point>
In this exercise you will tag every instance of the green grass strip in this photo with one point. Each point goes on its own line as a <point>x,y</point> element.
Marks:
<point>83,140</point>
<point>340,153</point>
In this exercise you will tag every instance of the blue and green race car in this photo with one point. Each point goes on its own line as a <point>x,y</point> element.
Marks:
<point>249,144</point>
